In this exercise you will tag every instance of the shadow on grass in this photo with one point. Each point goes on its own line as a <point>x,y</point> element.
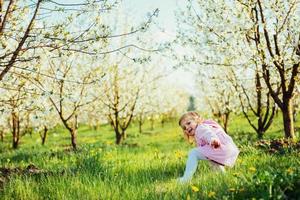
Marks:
<point>21,157</point>
<point>6,173</point>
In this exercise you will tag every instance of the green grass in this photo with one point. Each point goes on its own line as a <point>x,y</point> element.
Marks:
<point>145,167</point>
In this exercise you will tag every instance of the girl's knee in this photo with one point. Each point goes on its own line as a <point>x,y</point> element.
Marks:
<point>193,152</point>
<point>196,154</point>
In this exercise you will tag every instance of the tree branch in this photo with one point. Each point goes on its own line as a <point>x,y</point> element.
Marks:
<point>25,36</point>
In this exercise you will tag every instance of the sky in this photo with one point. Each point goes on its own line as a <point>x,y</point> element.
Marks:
<point>166,17</point>
<point>164,29</point>
<point>166,21</point>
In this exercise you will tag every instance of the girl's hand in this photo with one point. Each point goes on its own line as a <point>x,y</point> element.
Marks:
<point>215,144</point>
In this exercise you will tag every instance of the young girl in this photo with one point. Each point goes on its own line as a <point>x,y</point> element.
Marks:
<point>213,144</point>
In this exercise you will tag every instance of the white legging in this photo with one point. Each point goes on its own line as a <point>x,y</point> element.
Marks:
<point>191,165</point>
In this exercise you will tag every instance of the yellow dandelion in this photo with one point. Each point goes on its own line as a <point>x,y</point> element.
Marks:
<point>195,188</point>
<point>290,171</point>
<point>178,154</point>
<point>211,194</point>
<point>252,169</point>
<point>231,190</point>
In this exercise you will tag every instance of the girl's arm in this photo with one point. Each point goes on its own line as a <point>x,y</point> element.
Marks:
<point>209,135</point>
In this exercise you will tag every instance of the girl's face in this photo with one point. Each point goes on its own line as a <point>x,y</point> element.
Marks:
<point>189,126</point>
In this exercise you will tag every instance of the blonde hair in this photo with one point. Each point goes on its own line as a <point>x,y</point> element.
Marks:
<point>193,116</point>
<point>190,115</point>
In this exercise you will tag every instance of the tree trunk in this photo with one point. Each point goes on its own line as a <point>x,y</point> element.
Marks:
<point>73,138</point>
<point>225,122</point>
<point>260,128</point>
<point>140,126</point>
<point>162,123</point>
<point>124,134</point>
<point>151,124</point>
<point>15,142</point>
<point>44,135</point>
<point>119,137</point>
<point>288,122</point>
<point>2,135</point>
<point>95,127</point>
<point>15,130</point>
<point>260,133</point>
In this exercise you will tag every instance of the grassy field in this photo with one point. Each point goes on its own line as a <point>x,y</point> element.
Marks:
<point>146,166</point>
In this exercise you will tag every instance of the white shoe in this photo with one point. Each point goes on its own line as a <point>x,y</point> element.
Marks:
<point>222,169</point>
<point>218,168</point>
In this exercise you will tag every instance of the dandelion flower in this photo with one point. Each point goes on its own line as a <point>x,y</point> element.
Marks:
<point>178,154</point>
<point>194,188</point>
